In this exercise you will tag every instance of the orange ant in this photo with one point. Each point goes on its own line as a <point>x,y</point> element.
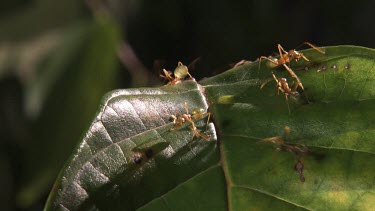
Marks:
<point>297,149</point>
<point>287,57</point>
<point>282,86</point>
<point>179,120</point>
<point>179,74</point>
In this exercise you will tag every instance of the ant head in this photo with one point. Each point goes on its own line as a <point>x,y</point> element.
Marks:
<point>283,80</point>
<point>291,53</point>
<point>297,55</point>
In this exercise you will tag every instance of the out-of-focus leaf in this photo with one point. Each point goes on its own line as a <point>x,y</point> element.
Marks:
<point>42,73</point>
<point>80,76</point>
<point>6,182</point>
<point>40,16</point>
<point>332,118</point>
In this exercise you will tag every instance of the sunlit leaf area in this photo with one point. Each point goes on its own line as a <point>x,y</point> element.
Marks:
<point>187,105</point>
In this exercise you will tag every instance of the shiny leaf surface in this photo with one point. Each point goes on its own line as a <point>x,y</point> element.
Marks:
<point>331,121</point>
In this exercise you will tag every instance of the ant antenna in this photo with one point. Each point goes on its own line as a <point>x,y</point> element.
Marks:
<point>312,46</point>
<point>186,108</point>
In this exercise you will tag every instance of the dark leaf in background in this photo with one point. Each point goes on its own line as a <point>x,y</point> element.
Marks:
<point>77,80</point>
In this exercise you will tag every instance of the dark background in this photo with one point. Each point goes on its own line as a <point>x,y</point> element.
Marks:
<point>58,58</point>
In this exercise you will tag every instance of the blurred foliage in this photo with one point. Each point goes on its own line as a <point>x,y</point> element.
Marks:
<point>89,72</point>
<point>55,52</point>
<point>52,81</point>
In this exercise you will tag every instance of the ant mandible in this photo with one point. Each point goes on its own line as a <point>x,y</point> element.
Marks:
<point>287,57</point>
<point>180,119</point>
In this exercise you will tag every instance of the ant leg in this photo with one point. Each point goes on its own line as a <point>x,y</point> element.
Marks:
<point>208,119</point>
<point>291,72</point>
<point>287,101</point>
<point>166,75</point>
<point>294,86</point>
<point>192,124</point>
<point>189,75</point>
<point>269,80</point>
<point>204,136</point>
<point>196,133</point>
<point>278,85</point>
<point>312,46</point>
<point>281,49</point>
<point>315,48</point>
<point>279,89</point>
<point>304,57</point>
<point>201,135</point>
<point>265,83</point>
<point>277,81</point>
<point>193,128</point>
<point>186,108</point>
<point>264,57</point>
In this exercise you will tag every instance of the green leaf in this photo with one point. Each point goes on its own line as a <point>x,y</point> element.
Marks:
<point>110,160</point>
<point>332,117</point>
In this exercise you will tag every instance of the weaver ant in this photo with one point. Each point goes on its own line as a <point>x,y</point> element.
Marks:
<point>282,86</point>
<point>297,149</point>
<point>179,74</point>
<point>198,113</point>
<point>287,56</point>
